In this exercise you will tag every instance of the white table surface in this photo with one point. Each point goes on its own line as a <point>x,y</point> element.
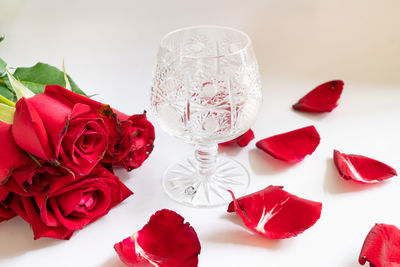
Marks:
<point>109,48</point>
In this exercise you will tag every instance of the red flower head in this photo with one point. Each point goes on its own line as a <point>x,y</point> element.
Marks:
<point>55,131</point>
<point>165,241</point>
<point>139,135</point>
<point>67,207</point>
<point>130,139</point>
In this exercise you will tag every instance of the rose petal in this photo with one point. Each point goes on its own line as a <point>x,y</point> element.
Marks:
<point>165,241</point>
<point>275,213</point>
<point>242,140</point>
<point>381,247</point>
<point>324,98</point>
<point>11,156</point>
<point>29,131</point>
<point>5,198</point>
<point>27,209</point>
<point>291,146</point>
<point>362,169</point>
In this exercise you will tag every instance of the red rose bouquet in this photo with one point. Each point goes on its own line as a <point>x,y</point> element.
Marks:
<point>58,149</point>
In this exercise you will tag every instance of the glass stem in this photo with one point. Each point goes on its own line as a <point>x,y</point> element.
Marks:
<point>206,158</point>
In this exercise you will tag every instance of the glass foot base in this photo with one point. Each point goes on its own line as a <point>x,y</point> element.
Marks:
<point>183,184</point>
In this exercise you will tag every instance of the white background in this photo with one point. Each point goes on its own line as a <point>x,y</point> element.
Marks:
<point>109,48</point>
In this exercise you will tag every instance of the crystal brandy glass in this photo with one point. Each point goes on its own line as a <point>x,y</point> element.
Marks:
<point>205,90</point>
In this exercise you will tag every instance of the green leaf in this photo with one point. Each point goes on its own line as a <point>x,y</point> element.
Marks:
<point>7,93</point>
<point>20,90</point>
<point>1,38</point>
<point>7,113</point>
<point>40,75</point>
<point>3,65</point>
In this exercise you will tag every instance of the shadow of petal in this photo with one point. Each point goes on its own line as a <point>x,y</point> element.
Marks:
<point>311,115</point>
<point>18,236</point>
<point>113,262</point>
<point>243,236</point>
<point>263,164</point>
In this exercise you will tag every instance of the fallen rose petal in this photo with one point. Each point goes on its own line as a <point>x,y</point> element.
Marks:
<point>362,169</point>
<point>381,247</point>
<point>11,156</point>
<point>165,241</point>
<point>324,98</point>
<point>291,146</point>
<point>275,213</point>
<point>242,140</point>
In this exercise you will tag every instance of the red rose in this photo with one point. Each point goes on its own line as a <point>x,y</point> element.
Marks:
<point>130,139</point>
<point>11,156</point>
<point>63,209</point>
<point>140,136</point>
<point>55,131</point>
<point>114,126</point>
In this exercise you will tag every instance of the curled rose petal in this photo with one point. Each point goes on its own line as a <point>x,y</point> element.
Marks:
<point>275,213</point>
<point>291,146</point>
<point>381,247</point>
<point>242,140</point>
<point>29,131</point>
<point>362,169</point>
<point>165,241</point>
<point>324,98</point>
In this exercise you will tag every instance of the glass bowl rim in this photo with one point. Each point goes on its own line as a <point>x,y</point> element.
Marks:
<point>245,47</point>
